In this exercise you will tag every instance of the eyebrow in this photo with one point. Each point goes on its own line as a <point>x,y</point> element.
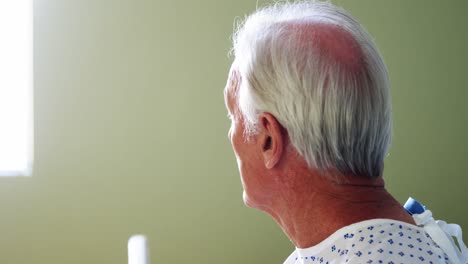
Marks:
<point>226,99</point>
<point>233,83</point>
<point>234,80</point>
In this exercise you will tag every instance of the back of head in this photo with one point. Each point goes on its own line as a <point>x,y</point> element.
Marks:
<point>316,69</point>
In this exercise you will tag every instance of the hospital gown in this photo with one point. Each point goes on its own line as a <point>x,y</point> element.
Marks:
<point>373,241</point>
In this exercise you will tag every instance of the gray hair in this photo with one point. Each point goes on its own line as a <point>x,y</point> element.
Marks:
<point>335,107</point>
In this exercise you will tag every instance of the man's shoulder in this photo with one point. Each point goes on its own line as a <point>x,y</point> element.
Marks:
<point>371,242</point>
<point>292,258</point>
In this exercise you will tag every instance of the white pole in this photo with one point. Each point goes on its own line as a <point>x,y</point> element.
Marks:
<point>138,252</point>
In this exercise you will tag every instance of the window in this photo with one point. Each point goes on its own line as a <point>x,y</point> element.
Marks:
<point>16,81</point>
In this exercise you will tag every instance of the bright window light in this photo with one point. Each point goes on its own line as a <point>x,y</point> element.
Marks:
<point>16,81</point>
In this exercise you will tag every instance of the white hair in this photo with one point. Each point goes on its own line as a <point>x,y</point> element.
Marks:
<point>334,104</point>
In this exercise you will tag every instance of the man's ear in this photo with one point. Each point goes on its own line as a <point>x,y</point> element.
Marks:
<point>272,140</point>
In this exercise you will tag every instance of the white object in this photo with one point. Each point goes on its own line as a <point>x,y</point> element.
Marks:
<point>16,81</point>
<point>138,250</point>
<point>443,233</point>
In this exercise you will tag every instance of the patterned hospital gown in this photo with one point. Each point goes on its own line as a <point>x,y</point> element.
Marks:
<point>373,241</point>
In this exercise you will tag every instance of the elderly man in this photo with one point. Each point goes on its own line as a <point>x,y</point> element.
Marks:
<point>308,96</point>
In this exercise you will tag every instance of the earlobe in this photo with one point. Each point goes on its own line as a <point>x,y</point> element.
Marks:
<point>273,140</point>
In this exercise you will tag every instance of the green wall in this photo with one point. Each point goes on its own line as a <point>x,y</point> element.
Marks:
<point>130,130</point>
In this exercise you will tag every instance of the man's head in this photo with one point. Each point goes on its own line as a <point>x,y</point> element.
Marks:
<point>309,94</point>
<point>311,71</point>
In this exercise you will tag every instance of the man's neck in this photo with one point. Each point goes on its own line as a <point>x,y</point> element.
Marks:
<point>313,211</point>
